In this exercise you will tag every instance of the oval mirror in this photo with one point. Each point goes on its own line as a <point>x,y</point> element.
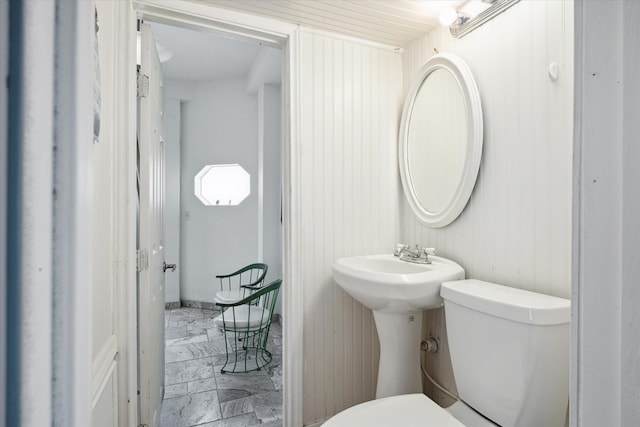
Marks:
<point>441,140</point>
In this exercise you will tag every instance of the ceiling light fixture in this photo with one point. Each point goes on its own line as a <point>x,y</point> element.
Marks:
<point>448,16</point>
<point>164,53</point>
<point>473,14</point>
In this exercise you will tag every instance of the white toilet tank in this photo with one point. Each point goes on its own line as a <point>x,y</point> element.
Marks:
<point>510,352</point>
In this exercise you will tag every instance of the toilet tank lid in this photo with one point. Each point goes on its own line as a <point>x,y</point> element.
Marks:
<point>506,302</point>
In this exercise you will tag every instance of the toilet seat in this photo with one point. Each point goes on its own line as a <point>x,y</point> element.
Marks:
<point>408,410</point>
<point>467,416</point>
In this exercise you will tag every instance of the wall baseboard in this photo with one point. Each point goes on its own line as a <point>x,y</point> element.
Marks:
<point>317,423</point>
<point>198,304</point>
<point>206,305</point>
<point>277,318</point>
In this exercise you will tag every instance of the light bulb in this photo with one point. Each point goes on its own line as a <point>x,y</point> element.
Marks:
<point>448,16</point>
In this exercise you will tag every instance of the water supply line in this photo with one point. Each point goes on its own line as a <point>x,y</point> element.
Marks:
<point>430,345</point>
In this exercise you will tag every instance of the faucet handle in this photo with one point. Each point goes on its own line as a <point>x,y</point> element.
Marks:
<point>430,251</point>
<point>399,248</point>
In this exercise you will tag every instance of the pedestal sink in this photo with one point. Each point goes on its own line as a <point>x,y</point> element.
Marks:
<point>397,291</point>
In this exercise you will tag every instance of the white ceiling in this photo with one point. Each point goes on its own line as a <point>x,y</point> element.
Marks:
<point>203,56</point>
<point>392,22</point>
<point>207,56</point>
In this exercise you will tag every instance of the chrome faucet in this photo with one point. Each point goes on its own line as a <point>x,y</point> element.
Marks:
<point>419,255</point>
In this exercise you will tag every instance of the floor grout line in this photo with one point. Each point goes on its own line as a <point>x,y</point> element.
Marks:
<point>261,387</point>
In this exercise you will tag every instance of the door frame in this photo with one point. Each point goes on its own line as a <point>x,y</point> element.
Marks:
<point>286,36</point>
<point>48,228</point>
<point>4,107</point>
<point>605,384</point>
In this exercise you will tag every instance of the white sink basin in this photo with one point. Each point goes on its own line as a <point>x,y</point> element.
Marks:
<point>387,284</point>
<point>397,291</point>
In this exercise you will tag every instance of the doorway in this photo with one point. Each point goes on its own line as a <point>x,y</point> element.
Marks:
<point>287,36</point>
<point>220,113</point>
<point>222,106</point>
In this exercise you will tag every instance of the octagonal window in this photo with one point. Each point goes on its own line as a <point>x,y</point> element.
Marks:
<point>222,185</point>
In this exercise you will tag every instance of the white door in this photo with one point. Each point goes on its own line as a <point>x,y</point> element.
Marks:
<point>151,245</point>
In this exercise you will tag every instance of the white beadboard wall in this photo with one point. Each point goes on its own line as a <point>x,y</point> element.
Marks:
<point>516,229</point>
<point>350,106</point>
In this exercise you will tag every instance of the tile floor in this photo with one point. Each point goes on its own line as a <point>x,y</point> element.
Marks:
<point>197,394</point>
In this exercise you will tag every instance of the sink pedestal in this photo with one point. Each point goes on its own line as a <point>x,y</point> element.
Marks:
<point>397,291</point>
<point>399,369</point>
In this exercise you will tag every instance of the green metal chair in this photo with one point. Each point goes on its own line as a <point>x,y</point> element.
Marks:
<point>246,325</point>
<point>241,283</point>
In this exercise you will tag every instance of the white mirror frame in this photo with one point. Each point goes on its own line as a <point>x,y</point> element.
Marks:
<point>473,109</point>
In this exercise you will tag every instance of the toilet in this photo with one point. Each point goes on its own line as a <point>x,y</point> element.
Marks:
<point>510,356</point>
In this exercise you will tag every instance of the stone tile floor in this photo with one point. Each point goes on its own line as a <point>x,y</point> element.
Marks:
<point>198,394</point>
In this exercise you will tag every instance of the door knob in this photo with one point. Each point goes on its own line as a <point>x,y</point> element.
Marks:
<point>166,267</point>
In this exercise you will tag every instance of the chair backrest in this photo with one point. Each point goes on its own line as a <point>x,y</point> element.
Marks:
<point>236,313</point>
<point>267,296</point>
<point>246,324</point>
<point>251,275</point>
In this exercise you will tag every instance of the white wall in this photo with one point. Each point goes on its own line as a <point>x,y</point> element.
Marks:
<point>370,236</point>
<point>350,106</point>
<point>515,230</point>
<point>218,122</point>
<point>270,232</point>
<point>220,126</point>
<point>171,224</point>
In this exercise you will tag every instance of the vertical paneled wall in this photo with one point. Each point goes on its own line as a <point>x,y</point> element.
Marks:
<point>350,98</point>
<point>516,228</point>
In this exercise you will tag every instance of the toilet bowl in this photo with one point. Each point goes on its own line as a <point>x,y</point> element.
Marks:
<point>408,410</point>
<point>510,356</point>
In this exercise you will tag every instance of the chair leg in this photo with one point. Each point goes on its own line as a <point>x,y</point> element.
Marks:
<point>254,346</point>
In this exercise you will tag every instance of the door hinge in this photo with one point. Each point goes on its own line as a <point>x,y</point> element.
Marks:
<point>142,85</point>
<point>142,260</point>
